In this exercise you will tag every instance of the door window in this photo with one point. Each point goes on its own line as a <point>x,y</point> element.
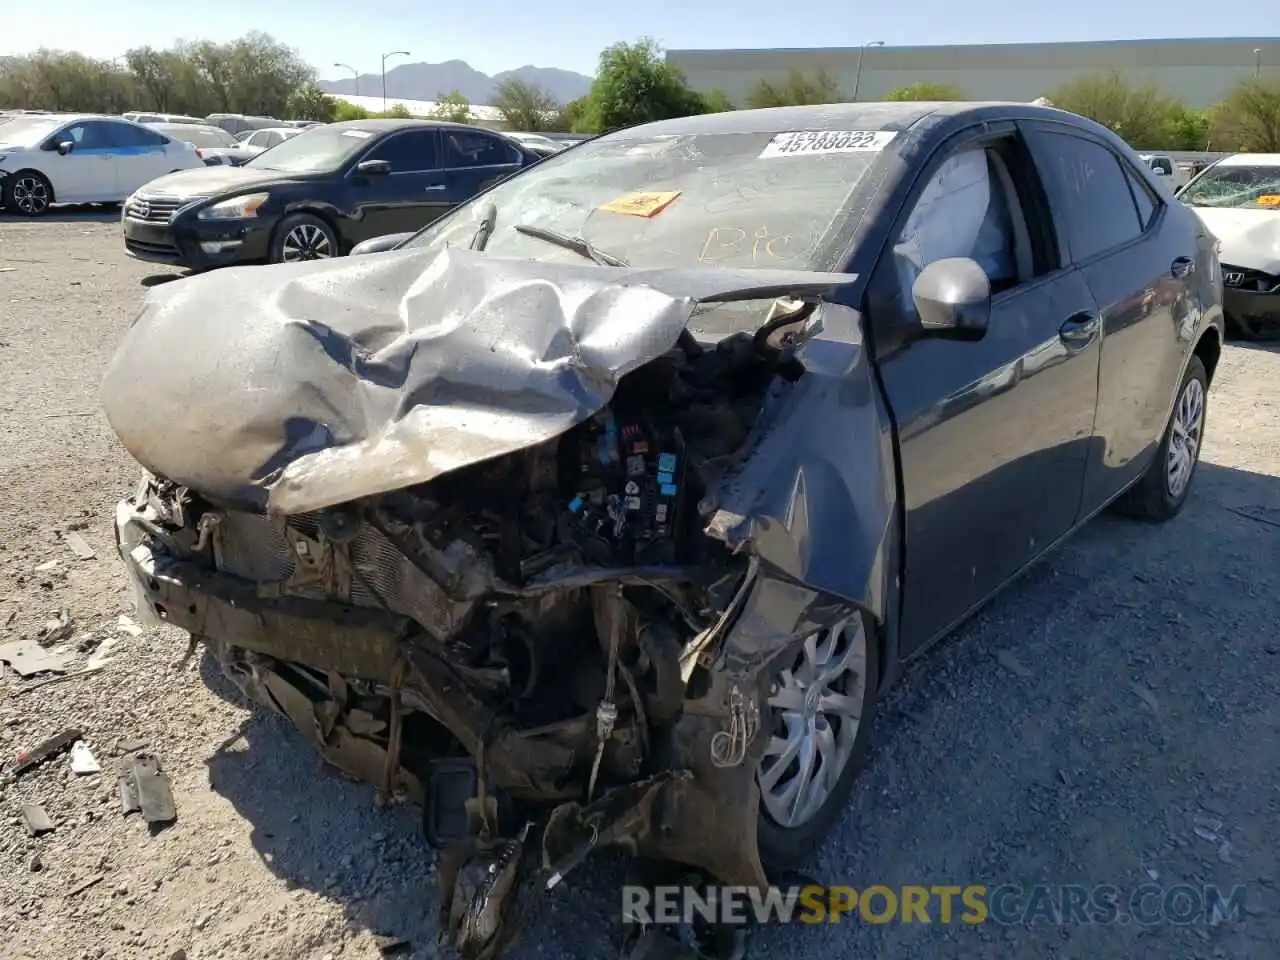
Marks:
<point>1143,198</point>
<point>412,151</point>
<point>471,148</point>
<point>968,208</point>
<point>87,135</point>
<point>127,135</point>
<point>1089,190</point>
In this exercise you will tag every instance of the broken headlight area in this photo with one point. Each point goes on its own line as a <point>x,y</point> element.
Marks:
<point>527,645</point>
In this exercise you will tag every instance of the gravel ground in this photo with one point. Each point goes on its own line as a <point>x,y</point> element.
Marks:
<point>1112,719</point>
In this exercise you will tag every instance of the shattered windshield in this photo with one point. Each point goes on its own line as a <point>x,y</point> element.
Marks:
<point>1239,187</point>
<point>727,199</point>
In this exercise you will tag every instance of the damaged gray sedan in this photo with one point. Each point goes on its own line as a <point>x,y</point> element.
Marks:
<point>600,511</point>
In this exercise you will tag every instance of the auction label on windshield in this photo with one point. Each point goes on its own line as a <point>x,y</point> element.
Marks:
<point>641,204</point>
<point>802,143</point>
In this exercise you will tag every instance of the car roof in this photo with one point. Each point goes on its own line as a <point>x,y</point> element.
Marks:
<point>830,116</point>
<point>384,125</point>
<point>1251,160</point>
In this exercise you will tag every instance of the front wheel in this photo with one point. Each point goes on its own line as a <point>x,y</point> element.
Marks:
<point>819,724</point>
<point>28,194</point>
<point>303,236</point>
<point>1163,489</point>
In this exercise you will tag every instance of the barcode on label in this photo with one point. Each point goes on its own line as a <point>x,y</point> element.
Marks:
<point>808,142</point>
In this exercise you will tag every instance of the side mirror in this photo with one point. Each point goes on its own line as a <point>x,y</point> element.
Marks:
<point>66,146</point>
<point>953,298</point>
<point>373,168</point>
<point>379,244</point>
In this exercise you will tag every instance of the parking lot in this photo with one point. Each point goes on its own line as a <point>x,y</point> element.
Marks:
<point>1112,719</point>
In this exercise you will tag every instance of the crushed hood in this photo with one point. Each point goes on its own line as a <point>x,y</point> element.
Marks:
<point>301,386</point>
<point>1250,238</point>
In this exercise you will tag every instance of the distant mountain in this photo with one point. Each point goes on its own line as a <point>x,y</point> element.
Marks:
<point>427,81</point>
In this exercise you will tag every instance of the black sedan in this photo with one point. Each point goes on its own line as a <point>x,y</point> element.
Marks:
<point>316,195</point>
<point>644,473</point>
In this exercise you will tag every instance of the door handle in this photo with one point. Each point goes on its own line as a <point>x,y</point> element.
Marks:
<point>1182,267</point>
<point>436,188</point>
<point>1079,330</point>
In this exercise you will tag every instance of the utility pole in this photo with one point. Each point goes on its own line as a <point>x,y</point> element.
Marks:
<point>393,53</point>
<point>355,75</point>
<point>857,77</point>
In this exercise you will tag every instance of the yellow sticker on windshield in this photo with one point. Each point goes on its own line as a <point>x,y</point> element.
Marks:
<point>1269,200</point>
<point>641,204</point>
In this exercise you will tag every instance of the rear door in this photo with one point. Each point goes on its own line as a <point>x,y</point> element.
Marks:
<point>1138,256</point>
<point>142,156</point>
<point>993,434</point>
<point>412,195</point>
<point>475,160</point>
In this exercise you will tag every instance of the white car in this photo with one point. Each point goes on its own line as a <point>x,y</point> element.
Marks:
<point>543,146</point>
<point>1163,166</point>
<point>1238,199</point>
<point>249,143</point>
<point>82,158</point>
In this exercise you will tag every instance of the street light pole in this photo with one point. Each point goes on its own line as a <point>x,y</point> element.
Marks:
<point>1257,63</point>
<point>857,77</point>
<point>355,75</point>
<point>393,53</point>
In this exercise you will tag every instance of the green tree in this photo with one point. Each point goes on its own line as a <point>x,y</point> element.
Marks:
<point>566,117</point>
<point>311,103</point>
<point>348,111</point>
<point>453,107</point>
<point>1249,118</point>
<point>926,91</point>
<point>399,111</point>
<point>1188,129</point>
<point>796,90</point>
<point>524,106</point>
<point>717,101</point>
<point>1142,115</point>
<point>634,84</point>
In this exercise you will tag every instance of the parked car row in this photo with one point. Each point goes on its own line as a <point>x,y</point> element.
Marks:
<point>705,427</point>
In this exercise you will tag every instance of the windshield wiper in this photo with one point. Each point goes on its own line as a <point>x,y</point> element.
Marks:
<point>485,230</point>
<point>577,244</point>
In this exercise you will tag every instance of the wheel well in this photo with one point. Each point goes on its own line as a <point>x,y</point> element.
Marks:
<point>53,196</point>
<point>1209,349</point>
<point>319,215</point>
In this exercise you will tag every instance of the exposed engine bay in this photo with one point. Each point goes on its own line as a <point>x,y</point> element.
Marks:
<point>527,634</point>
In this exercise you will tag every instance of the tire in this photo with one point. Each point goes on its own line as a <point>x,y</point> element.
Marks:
<point>1160,494</point>
<point>303,236</point>
<point>786,845</point>
<point>28,193</point>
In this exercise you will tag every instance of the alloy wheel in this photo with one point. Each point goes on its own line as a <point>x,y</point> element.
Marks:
<point>31,196</point>
<point>1184,438</point>
<point>306,241</point>
<point>816,705</point>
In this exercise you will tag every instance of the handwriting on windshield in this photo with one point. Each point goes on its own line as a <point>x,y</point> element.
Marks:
<point>724,243</point>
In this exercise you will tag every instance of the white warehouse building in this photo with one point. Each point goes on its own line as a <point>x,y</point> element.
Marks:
<point>1199,72</point>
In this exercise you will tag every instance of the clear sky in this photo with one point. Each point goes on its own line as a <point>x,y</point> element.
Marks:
<point>494,35</point>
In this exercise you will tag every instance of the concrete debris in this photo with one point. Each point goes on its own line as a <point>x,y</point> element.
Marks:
<point>35,864</point>
<point>83,762</point>
<point>128,625</point>
<point>36,820</point>
<point>390,946</point>
<point>56,630</point>
<point>103,654</point>
<point>79,546</point>
<point>27,658</point>
<point>47,566</point>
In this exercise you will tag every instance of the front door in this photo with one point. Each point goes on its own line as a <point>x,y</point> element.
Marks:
<point>412,195</point>
<point>994,434</point>
<point>88,174</point>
